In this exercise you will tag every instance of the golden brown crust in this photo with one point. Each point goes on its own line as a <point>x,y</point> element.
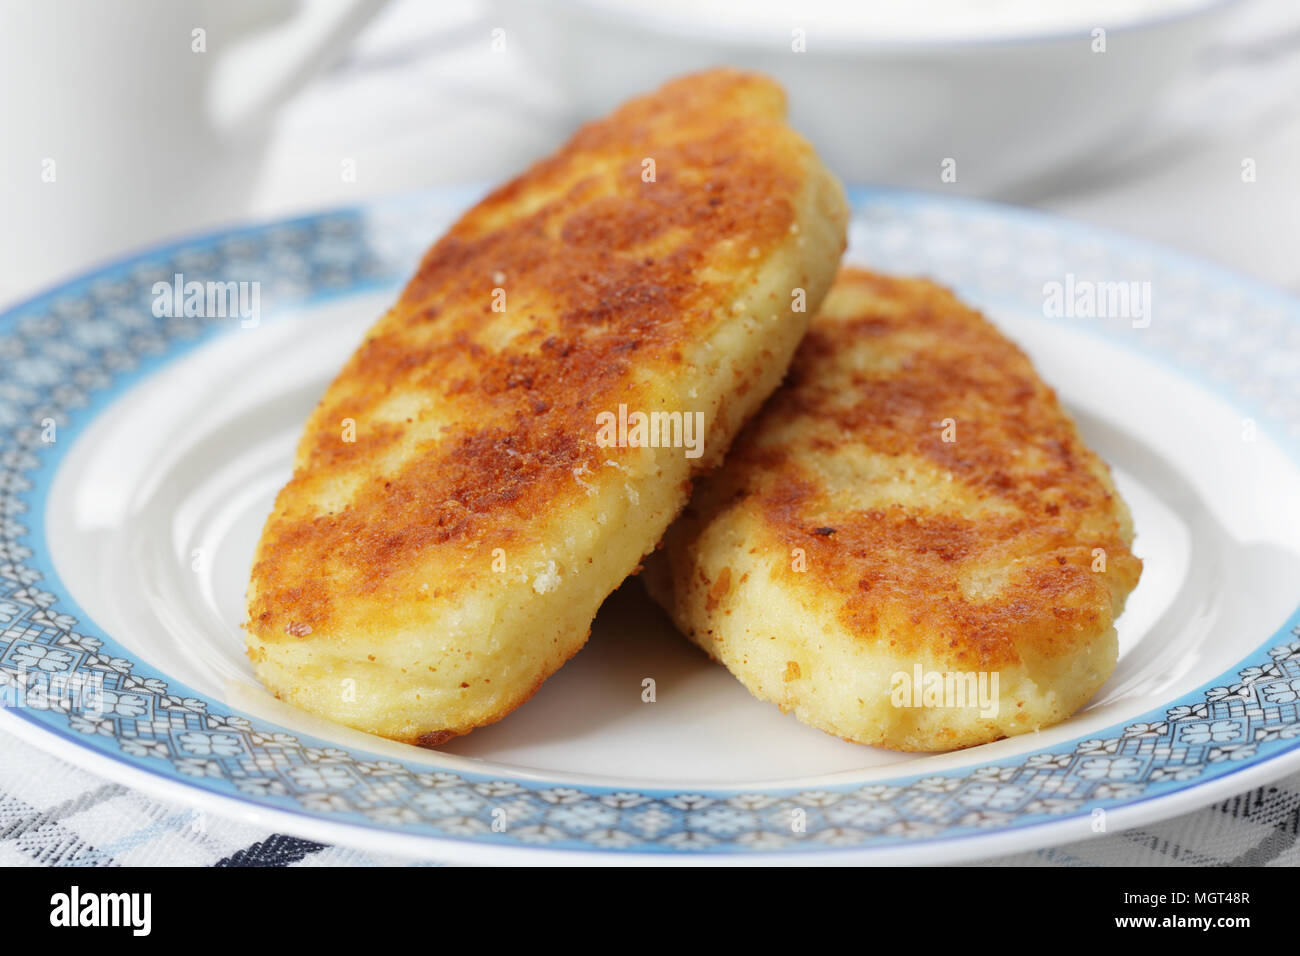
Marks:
<point>605,268</point>
<point>913,495</point>
<point>649,263</point>
<point>1030,491</point>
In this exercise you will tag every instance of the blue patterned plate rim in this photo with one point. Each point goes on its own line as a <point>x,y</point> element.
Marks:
<point>1240,729</point>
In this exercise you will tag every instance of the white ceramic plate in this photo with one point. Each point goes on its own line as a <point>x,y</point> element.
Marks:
<point>139,456</point>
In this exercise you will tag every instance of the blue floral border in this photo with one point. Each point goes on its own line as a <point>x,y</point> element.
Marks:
<point>68,353</point>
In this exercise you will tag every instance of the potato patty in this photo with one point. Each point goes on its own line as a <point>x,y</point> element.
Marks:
<point>911,514</point>
<point>457,512</point>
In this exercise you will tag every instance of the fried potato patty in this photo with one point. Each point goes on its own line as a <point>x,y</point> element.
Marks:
<point>460,503</point>
<point>910,546</point>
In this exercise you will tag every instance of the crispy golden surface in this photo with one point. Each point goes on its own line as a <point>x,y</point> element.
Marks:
<point>425,577</point>
<point>845,540</point>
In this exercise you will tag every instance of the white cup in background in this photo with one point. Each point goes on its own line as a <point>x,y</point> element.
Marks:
<point>124,122</point>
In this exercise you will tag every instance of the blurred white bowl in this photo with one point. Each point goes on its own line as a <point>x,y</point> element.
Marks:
<point>1012,91</point>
